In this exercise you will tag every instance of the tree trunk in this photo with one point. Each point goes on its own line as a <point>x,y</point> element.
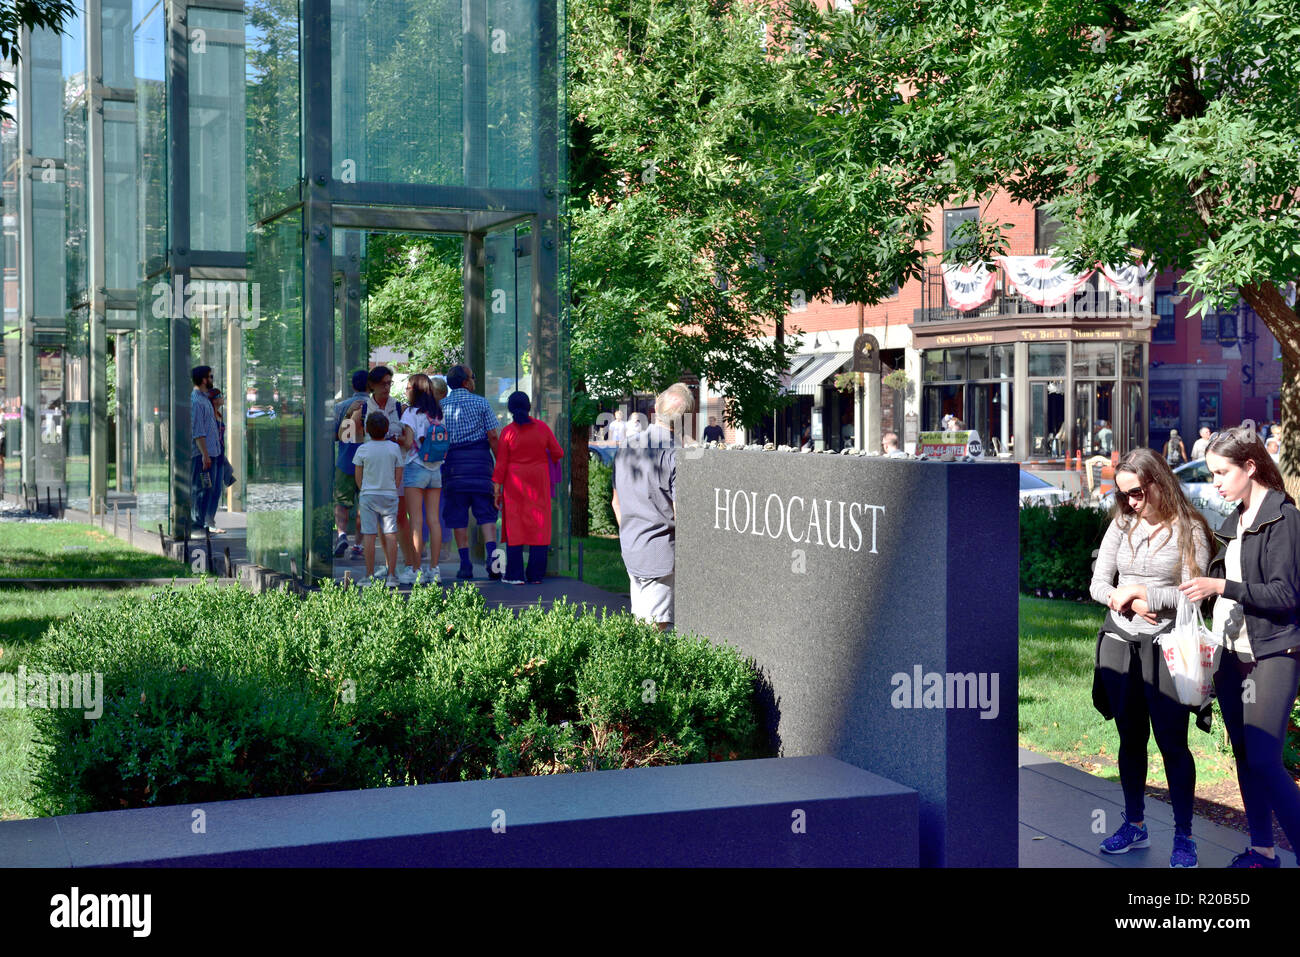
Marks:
<point>1284,324</point>
<point>1290,458</point>
<point>579,515</point>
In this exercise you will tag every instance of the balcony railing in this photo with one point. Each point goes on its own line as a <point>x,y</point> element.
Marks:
<point>1095,299</point>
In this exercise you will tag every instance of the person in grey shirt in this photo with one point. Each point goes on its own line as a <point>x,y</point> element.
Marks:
<point>1155,541</point>
<point>205,484</point>
<point>645,482</point>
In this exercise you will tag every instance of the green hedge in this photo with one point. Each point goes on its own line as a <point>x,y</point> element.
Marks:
<point>600,495</point>
<point>1056,546</point>
<point>212,694</point>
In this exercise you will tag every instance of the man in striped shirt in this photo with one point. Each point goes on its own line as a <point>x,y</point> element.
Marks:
<point>473,429</point>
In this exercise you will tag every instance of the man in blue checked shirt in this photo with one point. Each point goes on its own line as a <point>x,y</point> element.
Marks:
<point>205,484</point>
<point>473,428</point>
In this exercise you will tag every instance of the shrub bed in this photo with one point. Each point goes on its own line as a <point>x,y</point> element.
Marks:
<point>215,694</point>
<point>1056,546</point>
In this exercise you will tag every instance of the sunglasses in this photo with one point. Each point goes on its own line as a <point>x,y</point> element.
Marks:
<point>1137,492</point>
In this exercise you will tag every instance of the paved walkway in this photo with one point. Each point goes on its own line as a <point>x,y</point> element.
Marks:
<point>1058,806</point>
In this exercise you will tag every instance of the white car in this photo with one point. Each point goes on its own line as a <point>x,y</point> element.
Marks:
<point>1198,483</point>
<point>1036,491</point>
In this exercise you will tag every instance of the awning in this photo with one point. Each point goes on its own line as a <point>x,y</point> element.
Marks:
<point>798,363</point>
<point>811,376</point>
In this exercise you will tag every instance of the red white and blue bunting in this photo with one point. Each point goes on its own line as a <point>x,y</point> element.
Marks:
<point>968,287</point>
<point>1133,280</point>
<point>1042,280</point>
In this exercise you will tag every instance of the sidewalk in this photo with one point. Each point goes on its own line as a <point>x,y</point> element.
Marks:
<point>1057,810</point>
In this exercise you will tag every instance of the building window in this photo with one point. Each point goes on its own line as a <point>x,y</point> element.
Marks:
<point>952,218</point>
<point>1046,230</point>
<point>1165,330</point>
<point>1207,405</point>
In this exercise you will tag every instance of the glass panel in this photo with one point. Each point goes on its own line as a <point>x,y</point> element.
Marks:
<point>1207,406</point>
<point>1048,430</point>
<point>941,400</point>
<point>273,373</point>
<point>49,427</point>
<point>1131,360</point>
<point>1094,359</point>
<point>1135,432</point>
<point>274,163</point>
<point>216,76</point>
<point>979,362</point>
<point>508,289</point>
<point>76,405</point>
<point>121,264</point>
<point>152,401</point>
<point>1093,432</point>
<point>990,415</point>
<point>1165,329</point>
<point>115,29</point>
<point>395,59</point>
<point>45,58</point>
<point>1047,359</point>
<point>151,144</point>
<point>123,411</point>
<point>49,218</point>
<point>512,90</point>
<point>76,243</point>
<point>1004,362</point>
<point>1166,414</point>
<point>10,341</point>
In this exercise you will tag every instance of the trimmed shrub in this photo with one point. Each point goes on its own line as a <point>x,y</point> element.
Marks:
<point>213,694</point>
<point>600,500</point>
<point>1056,546</point>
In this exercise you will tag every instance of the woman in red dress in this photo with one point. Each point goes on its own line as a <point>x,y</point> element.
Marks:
<point>522,481</point>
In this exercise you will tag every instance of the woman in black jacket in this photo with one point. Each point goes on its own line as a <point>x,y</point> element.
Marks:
<point>1257,611</point>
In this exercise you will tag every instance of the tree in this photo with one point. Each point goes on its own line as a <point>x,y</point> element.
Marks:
<point>1168,131</point>
<point>415,299</point>
<point>676,267</point>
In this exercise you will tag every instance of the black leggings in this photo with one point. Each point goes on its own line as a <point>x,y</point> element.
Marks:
<point>1256,717</point>
<point>1143,699</point>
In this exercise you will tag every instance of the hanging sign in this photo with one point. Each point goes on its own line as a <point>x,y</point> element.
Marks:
<point>866,354</point>
<point>968,287</point>
<point>1043,280</point>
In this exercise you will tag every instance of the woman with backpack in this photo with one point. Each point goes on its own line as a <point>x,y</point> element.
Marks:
<point>527,456</point>
<point>1175,451</point>
<point>422,473</point>
<point>1254,580</point>
<point>1155,541</point>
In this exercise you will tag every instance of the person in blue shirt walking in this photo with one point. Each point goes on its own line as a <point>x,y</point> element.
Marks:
<point>473,429</point>
<point>205,484</point>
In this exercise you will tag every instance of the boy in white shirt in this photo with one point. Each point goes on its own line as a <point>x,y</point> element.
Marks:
<point>379,476</point>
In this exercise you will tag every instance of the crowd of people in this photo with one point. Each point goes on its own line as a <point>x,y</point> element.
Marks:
<point>407,471</point>
<point>1158,551</point>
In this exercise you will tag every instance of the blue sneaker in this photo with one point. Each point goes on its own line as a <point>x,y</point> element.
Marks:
<point>1252,858</point>
<point>1184,854</point>
<point>1127,838</point>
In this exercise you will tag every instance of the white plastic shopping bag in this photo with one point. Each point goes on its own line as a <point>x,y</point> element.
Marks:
<point>1191,653</point>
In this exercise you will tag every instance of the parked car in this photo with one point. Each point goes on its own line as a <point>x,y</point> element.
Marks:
<point>1036,491</point>
<point>604,454</point>
<point>1198,484</point>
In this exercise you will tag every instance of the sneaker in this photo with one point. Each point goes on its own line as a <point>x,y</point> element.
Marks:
<point>1184,854</point>
<point>465,572</point>
<point>356,553</point>
<point>510,581</point>
<point>340,545</point>
<point>1252,858</point>
<point>430,576</point>
<point>1126,839</point>
<point>406,575</point>
<point>391,582</point>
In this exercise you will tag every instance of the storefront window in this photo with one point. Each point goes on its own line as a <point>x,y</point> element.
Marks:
<point>1004,365</point>
<point>1131,360</point>
<point>1094,360</point>
<point>979,362</point>
<point>1047,359</point>
<point>1048,431</point>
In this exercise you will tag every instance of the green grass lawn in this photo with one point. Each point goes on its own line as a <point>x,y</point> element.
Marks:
<point>72,550</point>
<point>1057,642</point>
<point>602,564</point>
<point>24,616</point>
